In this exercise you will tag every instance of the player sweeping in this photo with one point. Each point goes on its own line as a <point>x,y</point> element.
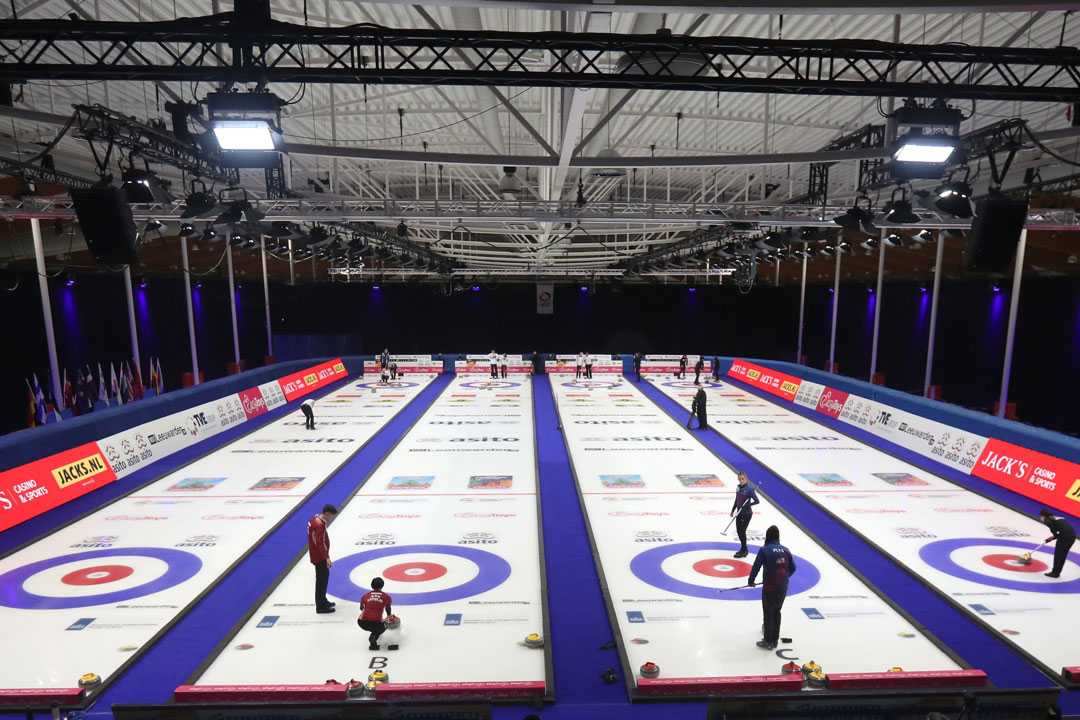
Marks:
<point>1063,535</point>
<point>373,605</point>
<point>779,565</point>
<point>743,510</point>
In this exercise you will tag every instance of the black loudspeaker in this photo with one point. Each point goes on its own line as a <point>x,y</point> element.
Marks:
<point>107,226</point>
<point>994,233</point>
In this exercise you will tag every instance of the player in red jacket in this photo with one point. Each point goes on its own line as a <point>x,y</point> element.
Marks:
<point>318,542</point>
<point>373,605</point>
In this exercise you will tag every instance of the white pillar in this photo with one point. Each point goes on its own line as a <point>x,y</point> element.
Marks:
<point>232,305</point>
<point>190,312</point>
<point>835,305</point>
<point>933,313</point>
<point>292,271</point>
<point>802,308</point>
<point>46,312</point>
<point>266,299</point>
<point>877,304</point>
<point>135,356</point>
<point>1010,336</point>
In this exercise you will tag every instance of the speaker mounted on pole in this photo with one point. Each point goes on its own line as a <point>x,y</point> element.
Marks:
<point>107,226</point>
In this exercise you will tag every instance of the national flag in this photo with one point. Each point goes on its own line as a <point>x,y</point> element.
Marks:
<point>153,376</point>
<point>52,405</point>
<point>125,382</point>
<point>160,387</point>
<point>69,392</point>
<point>31,406</point>
<point>136,383</point>
<point>102,392</point>
<point>39,399</point>
<point>114,385</point>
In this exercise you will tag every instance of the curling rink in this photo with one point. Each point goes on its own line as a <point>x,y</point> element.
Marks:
<point>450,520</point>
<point>103,587</point>
<point>656,503</point>
<point>964,545</point>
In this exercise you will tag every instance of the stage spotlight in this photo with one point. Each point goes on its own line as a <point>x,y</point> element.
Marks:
<point>894,240</point>
<point>899,211</point>
<point>858,218</point>
<point>153,226</point>
<point>143,186</point>
<point>923,237</point>
<point>199,202</point>
<point>954,198</point>
<point>402,230</point>
<point>187,229</point>
<point>869,244</point>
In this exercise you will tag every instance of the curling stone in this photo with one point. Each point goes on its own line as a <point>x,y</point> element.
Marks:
<point>817,679</point>
<point>810,667</point>
<point>895,668</point>
<point>88,681</point>
<point>354,689</point>
<point>393,622</point>
<point>534,640</point>
<point>1025,559</point>
<point>650,670</point>
<point>371,687</point>
<point>790,668</point>
<point>379,676</point>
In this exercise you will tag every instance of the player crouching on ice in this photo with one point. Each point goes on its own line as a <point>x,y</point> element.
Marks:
<point>373,605</point>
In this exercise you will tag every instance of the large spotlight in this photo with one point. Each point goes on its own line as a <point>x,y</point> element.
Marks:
<point>247,127</point>
<point>510,185</point>
<point>244,135</point>
<point>922,140</point>
<point>199,202</point>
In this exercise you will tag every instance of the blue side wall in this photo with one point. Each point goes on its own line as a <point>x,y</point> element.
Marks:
<point>1034,438</point>
<point>27,445</point>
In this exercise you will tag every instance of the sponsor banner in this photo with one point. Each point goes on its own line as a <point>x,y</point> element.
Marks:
<point>602,364</point>
<point>809,394</point>
<point>272,394</point>
<point>252,401</point>
<point>669,365</point>
<point>771,381</point>
<point>408,363</point>
<point>303,382</point>
<point>831,402</point>
<point>36,487</point>
<point>956,448</point>
<point>481,364</point>
<point>1046,478</point>
<point>129,450</point>
<point>137,447</point>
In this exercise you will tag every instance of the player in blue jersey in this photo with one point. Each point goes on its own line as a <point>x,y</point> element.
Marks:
<point>779,566</point>
<point>745,499</point>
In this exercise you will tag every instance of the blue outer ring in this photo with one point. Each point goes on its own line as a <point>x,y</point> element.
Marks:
<point>392,385</point>
<point>493,572</point>
<point>182,566</point>
<point>646,567</point>
<point>689,384</point>
<point>594,385</point>
<point>938,555</point>
<point>486,384</point>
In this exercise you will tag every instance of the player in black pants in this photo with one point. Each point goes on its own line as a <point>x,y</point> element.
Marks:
<point>637,365</point>
<point>698,408</point>
<point>698,367</point>
<point>745,500</point>
<point>779,565</point>
<point>1065,536</point>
